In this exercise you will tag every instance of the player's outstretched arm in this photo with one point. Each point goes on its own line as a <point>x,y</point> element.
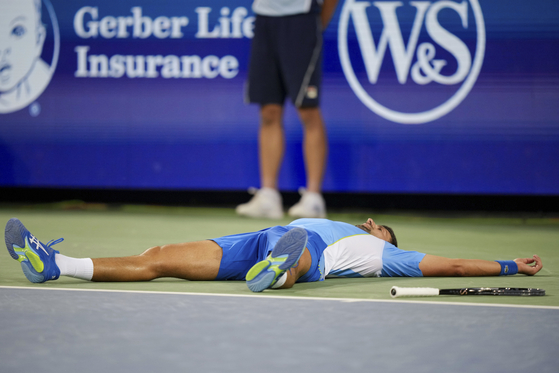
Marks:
<point>432,265</point>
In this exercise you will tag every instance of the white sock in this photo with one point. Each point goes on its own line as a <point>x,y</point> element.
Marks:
<point>280,282</point>
<point>74,267</point>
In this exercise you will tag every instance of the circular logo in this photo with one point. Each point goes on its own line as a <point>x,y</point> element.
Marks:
<point>426,69</point>
<point>24,74</point>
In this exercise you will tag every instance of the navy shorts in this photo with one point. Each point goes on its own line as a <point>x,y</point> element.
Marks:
<point>286,60</point>
<point>242,251</point>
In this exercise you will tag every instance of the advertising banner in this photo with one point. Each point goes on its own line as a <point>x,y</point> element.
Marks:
<point>438,96</point>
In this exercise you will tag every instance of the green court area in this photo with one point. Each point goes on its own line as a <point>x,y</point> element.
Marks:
<point>92,230</point>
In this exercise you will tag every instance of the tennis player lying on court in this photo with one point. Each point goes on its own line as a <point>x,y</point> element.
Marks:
<point>306,250</point>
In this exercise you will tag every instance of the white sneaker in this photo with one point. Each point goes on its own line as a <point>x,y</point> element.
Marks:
<point>266,203</point>
<point>311,205</point>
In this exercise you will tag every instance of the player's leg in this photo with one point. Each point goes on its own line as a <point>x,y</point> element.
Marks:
<point>295,273</point>
<point>40,263</point>
<point>286,255</point>
<point>198,260</point>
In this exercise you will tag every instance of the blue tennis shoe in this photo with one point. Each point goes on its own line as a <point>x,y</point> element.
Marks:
<point>285,255</point>
<point>36,258</point>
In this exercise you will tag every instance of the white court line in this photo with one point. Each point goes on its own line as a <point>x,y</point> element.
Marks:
<point>345,300</point>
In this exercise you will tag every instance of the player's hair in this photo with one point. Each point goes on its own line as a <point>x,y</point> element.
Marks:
<point>392,235</point>
<point>393,239</point>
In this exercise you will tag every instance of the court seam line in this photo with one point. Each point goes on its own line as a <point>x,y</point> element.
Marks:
<point>344,300</point>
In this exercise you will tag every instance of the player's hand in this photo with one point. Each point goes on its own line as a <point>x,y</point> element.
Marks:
<point>529,266</point>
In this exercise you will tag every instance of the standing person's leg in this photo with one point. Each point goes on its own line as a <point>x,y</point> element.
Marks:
<point>265,87</point>
<point>315,147</point>
<point>301,59</point>
<point>267,202</point>
<point>271,144</point>
<point>315,150</point>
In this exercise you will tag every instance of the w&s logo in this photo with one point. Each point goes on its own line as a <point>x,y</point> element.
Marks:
<point>436,50</point>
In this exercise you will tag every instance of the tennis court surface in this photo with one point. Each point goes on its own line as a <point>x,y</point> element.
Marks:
<point>340,324</point>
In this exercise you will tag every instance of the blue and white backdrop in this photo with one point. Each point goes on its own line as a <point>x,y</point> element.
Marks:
<point>438,96</point>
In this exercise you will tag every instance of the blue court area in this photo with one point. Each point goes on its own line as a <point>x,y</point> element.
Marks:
<point>92,331</point>
<point>337,325</point>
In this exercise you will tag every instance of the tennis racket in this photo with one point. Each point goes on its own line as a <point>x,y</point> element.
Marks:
<point>396,291</point>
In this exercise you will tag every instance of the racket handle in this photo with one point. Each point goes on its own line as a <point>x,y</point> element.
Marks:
<point>396,292</point>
